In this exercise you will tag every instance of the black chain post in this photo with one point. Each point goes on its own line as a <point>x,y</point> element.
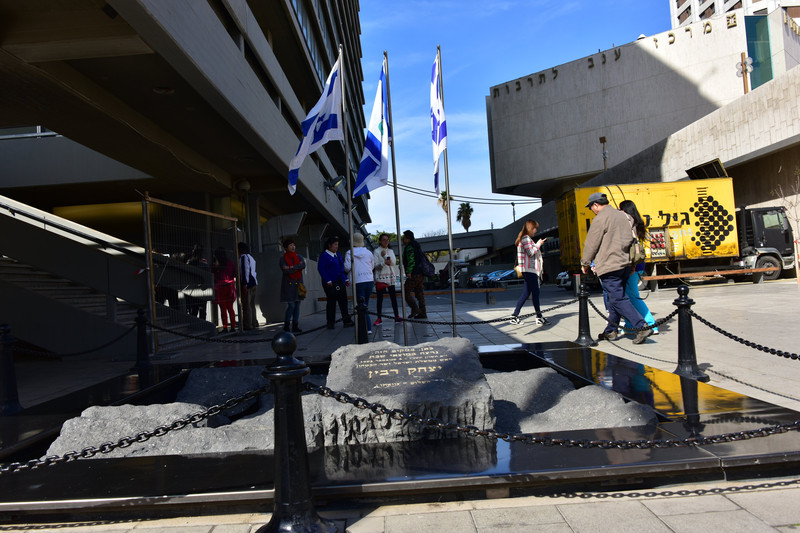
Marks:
<point>584,335</point>
<point>687,357</point>
<point>9,397</point>
<point>293,510</point>
<point>362,336</point>
<point>142,346</point>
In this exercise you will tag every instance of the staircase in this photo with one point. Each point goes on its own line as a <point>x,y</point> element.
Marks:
<point>68,289</point>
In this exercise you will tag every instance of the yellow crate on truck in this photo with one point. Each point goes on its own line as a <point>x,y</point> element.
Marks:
<point>686,220</point>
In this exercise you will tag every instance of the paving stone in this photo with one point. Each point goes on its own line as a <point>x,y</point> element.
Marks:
<point>729,521</point>
<point>460,522</point>
<point>367,524</point>
<point>695,504</point>
<point>612,517</point>
<point>505,518</point>
<point>775,507</point>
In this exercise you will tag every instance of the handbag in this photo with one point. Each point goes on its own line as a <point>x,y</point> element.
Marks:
<point>636,253</point>
<point>518,270</point>
<point>301,290</point>
<point>381,286</point>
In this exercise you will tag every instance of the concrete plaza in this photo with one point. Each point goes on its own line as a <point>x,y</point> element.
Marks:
<point>762,313</point>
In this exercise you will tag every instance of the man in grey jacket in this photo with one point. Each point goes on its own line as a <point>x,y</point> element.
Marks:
<point>607,244</point>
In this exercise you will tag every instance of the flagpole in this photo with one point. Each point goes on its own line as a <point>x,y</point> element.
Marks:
<point>447,188</point>
<point>396,206</point>
<point>349,197</point>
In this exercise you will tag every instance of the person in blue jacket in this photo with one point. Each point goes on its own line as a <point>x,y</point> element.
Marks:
<point>334,282</point>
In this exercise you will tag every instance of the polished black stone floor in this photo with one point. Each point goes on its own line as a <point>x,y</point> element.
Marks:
<point>686,409</point>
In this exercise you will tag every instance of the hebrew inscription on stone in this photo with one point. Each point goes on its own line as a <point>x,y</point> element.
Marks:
<point>403,367</point>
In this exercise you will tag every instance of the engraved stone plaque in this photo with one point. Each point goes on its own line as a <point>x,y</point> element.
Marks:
<point>442,379</point>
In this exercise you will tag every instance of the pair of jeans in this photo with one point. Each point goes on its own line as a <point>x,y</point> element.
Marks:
<point>292,312</point>
<point>415,283</point>
<point>364,291</point>
<point>392,297</point>
<point>632,290</point>
<point>248,298</point>
<point>618,303</point>
<point>531,288</point>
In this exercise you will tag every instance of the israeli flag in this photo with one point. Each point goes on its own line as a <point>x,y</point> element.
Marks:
<point>373,172</point>
<point>438,122</point>
<point>323,123</point>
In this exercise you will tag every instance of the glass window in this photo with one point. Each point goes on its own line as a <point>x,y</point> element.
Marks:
<point>758,48</point>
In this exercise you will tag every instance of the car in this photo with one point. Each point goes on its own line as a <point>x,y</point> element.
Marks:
<point>476,280</point>
<point>491,279</point>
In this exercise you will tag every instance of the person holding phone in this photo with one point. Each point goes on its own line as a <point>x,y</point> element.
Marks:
<point>529,258</point>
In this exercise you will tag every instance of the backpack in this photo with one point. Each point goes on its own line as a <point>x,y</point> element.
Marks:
<point>427,267</point>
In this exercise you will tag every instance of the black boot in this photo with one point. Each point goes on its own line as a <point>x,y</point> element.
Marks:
<point>295,328</point>
<point>286,326</point>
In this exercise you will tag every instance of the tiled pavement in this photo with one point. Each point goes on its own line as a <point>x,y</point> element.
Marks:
<point>765,313</point>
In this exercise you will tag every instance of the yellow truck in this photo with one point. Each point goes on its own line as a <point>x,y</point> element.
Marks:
<point>692,225</point>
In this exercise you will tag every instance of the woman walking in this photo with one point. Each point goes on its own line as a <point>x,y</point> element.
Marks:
<point>292,266</point>
<point>385,276</point>
<point>224,271</point>
<point>637,271</point>
<point>529,258</point>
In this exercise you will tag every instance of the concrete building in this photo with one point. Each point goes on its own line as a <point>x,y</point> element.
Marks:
<point>556,129</point>
<point>199,103</point>
<point>683,12</point>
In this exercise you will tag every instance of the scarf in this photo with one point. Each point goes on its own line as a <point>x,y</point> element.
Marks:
<point>293,259</point>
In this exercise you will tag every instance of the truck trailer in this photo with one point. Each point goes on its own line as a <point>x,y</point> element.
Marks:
<point>692,226</point>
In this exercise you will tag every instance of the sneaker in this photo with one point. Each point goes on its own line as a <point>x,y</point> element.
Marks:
<point>642,335</point>
<point>398,319</point>
<point>378,322</point>
<point>542,321</point>
<point>421,315</point>
<point>515,320</point>
<point>610,336</point>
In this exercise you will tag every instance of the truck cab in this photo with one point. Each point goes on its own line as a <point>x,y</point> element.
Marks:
<point>765,239</point>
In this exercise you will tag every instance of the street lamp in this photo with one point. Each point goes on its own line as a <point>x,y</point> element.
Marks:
<point>605,153</point>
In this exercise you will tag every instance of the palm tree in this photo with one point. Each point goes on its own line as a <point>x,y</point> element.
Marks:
<point>444,201</point>
<point>464,214</point>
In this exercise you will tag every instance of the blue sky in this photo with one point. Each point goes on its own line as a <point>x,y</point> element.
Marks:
<point>484,43</point>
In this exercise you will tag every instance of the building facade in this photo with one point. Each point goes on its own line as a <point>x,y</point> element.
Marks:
<point>557,129</point>
<point>683,12</point>
<point>194,102</point>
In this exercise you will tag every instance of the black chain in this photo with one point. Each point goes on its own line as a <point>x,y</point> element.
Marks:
<point>229,341</point>
<point>72,354</point>
<point>124,442</point>
<point>773,351</point>
<point>472,431</point>
<point>657,323</point>
<point>474,322</point>
<point>669,493</point>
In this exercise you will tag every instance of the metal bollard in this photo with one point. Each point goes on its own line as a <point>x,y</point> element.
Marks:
<point>142,346</point>
<point>293,509</point>
<point>362,337</point>
<point>9,396</point>
<point>584,335</point>
<point>687,357</point>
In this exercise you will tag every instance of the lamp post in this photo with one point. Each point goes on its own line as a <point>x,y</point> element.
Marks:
<point>605,153</point>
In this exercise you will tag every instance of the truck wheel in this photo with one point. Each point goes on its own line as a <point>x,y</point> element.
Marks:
<point>767,261</point>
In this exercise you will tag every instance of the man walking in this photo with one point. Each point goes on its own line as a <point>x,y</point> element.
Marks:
<point>607,244</point>
<point>412,262</point>
<point>249,283</point>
